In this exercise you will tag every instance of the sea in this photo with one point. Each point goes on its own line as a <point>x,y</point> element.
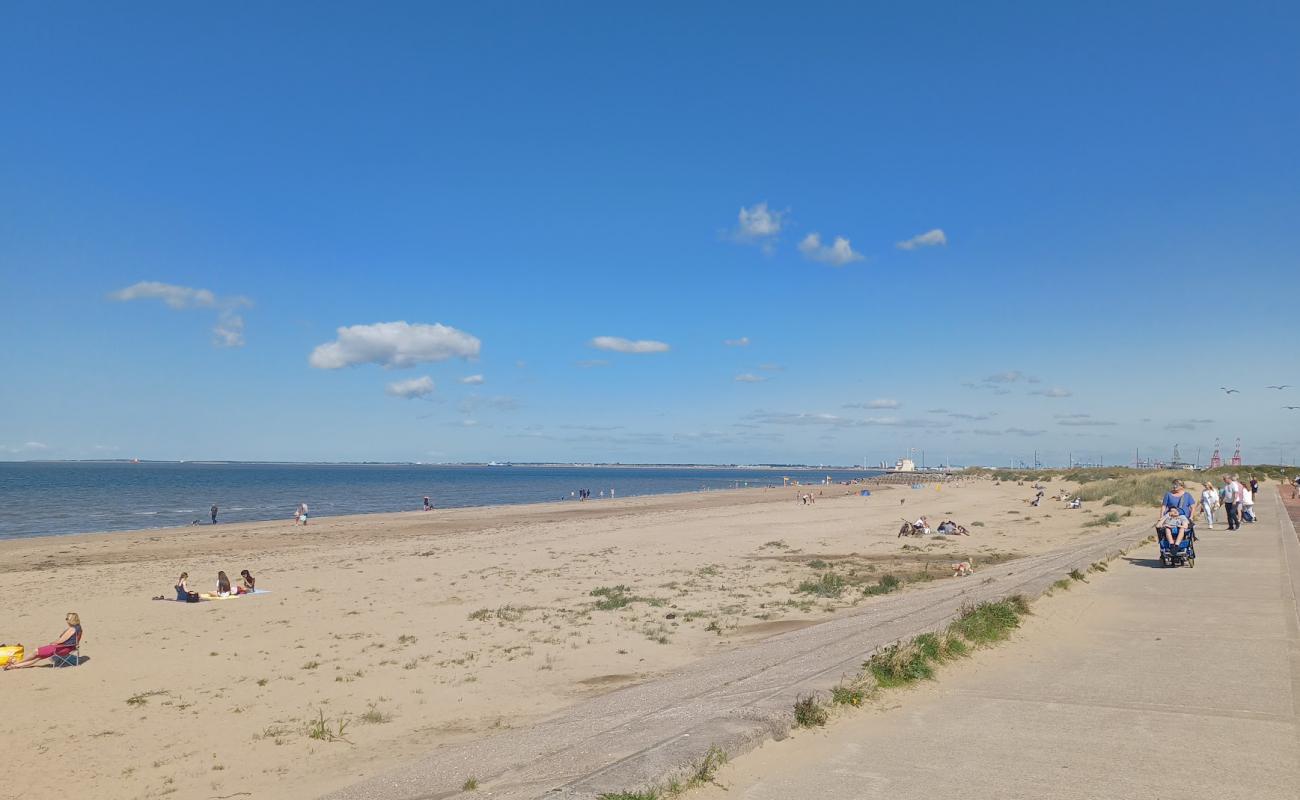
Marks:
<point>51,498</point>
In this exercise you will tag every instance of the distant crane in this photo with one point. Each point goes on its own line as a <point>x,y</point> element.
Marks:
<point>1236,455</point>
<point>1216,460</point>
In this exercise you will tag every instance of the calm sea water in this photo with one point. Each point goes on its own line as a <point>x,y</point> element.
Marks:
<point>51,498</point>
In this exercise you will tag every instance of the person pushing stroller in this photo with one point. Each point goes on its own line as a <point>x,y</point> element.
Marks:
<point>1175,528</point>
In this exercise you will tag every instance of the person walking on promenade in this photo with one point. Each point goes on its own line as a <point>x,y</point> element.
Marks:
<point>1209,499</point>
<point>214,513</point>
<point>1231,495</point>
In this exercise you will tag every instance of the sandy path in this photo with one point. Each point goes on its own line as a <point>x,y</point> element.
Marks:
<point>416,629</point>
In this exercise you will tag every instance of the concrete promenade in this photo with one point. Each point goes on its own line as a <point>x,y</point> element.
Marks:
<point>1146,683</point>
<point>644,734</point>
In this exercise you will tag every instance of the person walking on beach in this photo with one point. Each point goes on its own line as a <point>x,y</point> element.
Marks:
<point>301,514</point>
<point>427,505</point>
<point>214,513</point>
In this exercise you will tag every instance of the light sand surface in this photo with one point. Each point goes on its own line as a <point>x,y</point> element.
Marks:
<point>414,629</point>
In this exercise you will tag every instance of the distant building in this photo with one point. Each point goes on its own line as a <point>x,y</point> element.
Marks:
<point>905,465</point>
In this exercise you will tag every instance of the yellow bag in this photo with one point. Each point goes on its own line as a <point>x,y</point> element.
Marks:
<point>10,654</point>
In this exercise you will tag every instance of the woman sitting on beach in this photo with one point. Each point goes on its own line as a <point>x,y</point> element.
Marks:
<point>246,583</point>
<point>63,646</point>
<point>183,593</point>
<point>223,584</point>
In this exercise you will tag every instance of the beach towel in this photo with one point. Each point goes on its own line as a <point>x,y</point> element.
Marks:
<point>211,596</point>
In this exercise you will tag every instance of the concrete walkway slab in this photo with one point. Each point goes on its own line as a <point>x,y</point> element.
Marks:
<point>1112,691</point>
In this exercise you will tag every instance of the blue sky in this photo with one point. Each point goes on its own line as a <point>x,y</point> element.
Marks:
<point>193,200</point>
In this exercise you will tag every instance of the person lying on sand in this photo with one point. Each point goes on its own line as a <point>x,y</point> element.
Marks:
<point>62,646</point>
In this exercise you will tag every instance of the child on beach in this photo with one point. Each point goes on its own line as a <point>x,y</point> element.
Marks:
<point>1173,524</point>
<point>246,583</point>
<point>223,584</point>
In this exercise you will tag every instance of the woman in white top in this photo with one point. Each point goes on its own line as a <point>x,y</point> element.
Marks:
<point>1247,503</point>
<point>1209,499</point>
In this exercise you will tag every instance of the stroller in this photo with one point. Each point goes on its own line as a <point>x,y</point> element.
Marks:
<point>1182,554</point>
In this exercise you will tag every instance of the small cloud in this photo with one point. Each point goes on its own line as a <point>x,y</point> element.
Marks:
<point>746,377</point>
<point>229,329</point>
<point>936,411</point>
<point>771,367</point>
<point>394,344</point>
<point>1055,391</point>
<point>881,402</point>
<point>757,223</point>
<point>177,297</point>
<point>620,345</point>
<point>971,417</point>
<point>473,380</point>
<point>468,423</point>
<point>591,363</point>
<point>1023,432</point>
<point>741,342</point>
<point>837,254</point>
<point>474,402</point>
<point>1188,424</point>
<point>415,387</point>
<point>1010,376</point>
<point>1084,421</point>
<point>931,238</point>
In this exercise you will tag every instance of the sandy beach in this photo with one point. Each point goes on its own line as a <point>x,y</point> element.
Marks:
<point>385,635</point>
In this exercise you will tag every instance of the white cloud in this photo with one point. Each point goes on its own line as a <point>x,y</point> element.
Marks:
<point>177,297</point>
<point>1055,391</point>
<point>837,254</point>
<point>931,238</point>
<point>621,345</point>
<point>747,377</point>
<point>229,330</point>
<point>757,223</point>
<point>472,380</point>
<point>394,344</point>
<point>741,342</point>
<point>25,447</point>
<point>771,367</point>
<point>883,402</point>
<point>414,387</point>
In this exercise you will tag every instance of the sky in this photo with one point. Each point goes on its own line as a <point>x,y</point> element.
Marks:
<point>825,233</point>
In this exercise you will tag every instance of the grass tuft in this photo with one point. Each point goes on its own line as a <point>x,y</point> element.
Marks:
<point>827,585</point>
<point>470,784</point>
<point>990,622</point>
<point>808,713</point>
<point>899,665</point>
<point>886,584</point>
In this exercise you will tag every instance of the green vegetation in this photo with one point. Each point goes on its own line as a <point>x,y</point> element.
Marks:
<point>648,794</point>
<point>320,729</point>
<point>898,665</point>
<point>827,585</point>
<point>142,698</point>
<point>887,583</point>
<point>1111,518</point>
<point>1077,575</point>
<point>808,713</point>
<point>990,622</point>
<point>616,597</point>
<point>848,695</point>
<point>470,784</point>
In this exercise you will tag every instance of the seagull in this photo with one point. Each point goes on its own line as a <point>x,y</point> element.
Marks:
<point>1226,390</point>
<point>1283,386</point>
<point>1292,408</point>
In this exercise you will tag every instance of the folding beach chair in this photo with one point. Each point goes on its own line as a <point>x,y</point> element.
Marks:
<point>71,659</point>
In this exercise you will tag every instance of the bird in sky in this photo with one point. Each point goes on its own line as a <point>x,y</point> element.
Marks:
<point>1291,408</point>
<point>1283,386</point>
<point>1226,390</point>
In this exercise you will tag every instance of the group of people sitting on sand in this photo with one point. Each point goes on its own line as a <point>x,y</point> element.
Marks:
<point>61,648</point>
<point>921,527</point>
<point>247,585</point>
